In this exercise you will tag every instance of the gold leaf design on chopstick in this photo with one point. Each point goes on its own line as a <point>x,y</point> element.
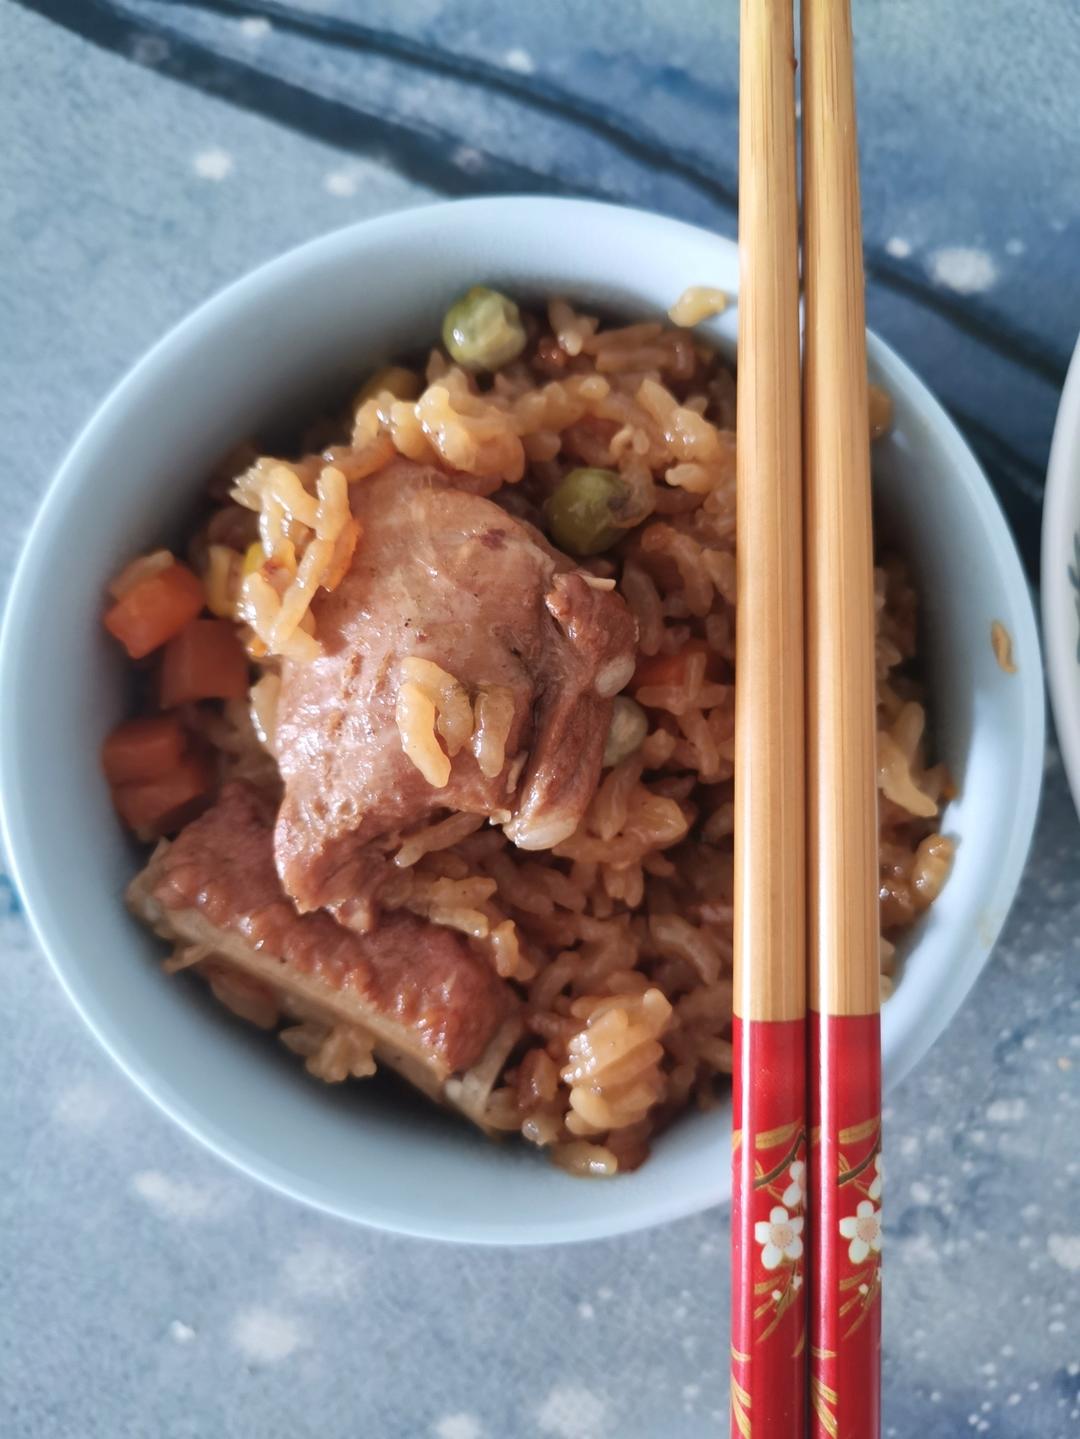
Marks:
<point>868,1299</point>
<point>788,1295</point>
<point>854,1280</point>
<point>740,1405</point>
<point>827,1393</point>
<point>764,1178</point>
<point>770,1138</point>
<point>847,1174</point>
<point>741,1358</point>
<point>822,1397</point>
<point>848,1171</point>
<point>860,1288</point>
<point>779,1220</point>
<point>856,1133</point>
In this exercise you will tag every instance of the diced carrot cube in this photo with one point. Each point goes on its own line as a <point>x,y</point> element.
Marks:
<point>143,749</point>
<point>666,669</point>
<point>205,661</point>
<point>158,806</point>
<point>155,609</point>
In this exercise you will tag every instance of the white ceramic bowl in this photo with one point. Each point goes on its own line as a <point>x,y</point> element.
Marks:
<point>279,338</point>
<point>1061,574</point>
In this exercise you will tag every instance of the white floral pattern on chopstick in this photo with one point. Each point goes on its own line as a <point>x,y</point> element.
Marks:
<point>863,1228</point>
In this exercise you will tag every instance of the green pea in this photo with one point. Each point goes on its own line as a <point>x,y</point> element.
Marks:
<point>628,728</point>
<point>582,511</point>
<point>483,330</point>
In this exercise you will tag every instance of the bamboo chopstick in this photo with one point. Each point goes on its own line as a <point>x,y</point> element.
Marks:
<point>845,1068</point>
<point>769,1097</point>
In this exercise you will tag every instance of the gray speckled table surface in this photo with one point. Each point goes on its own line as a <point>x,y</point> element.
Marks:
<point>153,151</point>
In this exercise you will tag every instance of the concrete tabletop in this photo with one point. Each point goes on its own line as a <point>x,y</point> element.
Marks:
<point>153,151</point>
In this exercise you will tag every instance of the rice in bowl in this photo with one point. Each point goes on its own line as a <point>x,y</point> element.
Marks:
<point>615,937</point>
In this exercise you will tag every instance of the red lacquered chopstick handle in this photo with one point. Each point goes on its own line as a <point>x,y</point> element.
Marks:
<point>845,1179</point>
<point>768,1216</point>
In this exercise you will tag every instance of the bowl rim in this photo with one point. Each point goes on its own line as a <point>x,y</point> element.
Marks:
<point>910,1042</point>
<point>1060,615</point>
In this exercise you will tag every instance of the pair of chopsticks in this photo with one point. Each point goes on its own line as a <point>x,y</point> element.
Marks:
<point>807,1085</point>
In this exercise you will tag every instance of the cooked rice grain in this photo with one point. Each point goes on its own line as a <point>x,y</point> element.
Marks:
<point>620,938</point>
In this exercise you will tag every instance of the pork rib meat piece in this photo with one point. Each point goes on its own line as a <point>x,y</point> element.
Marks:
<point>434,1010</point>
<point>448,577</point>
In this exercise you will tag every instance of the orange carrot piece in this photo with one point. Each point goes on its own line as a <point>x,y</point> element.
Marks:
<point>205,661</point>
<point>143,749</point>
<point>666,669</point>
<point>157,806</point>
<point>155,609</point>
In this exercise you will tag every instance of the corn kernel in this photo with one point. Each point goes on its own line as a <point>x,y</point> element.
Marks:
<point>254,558</point>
